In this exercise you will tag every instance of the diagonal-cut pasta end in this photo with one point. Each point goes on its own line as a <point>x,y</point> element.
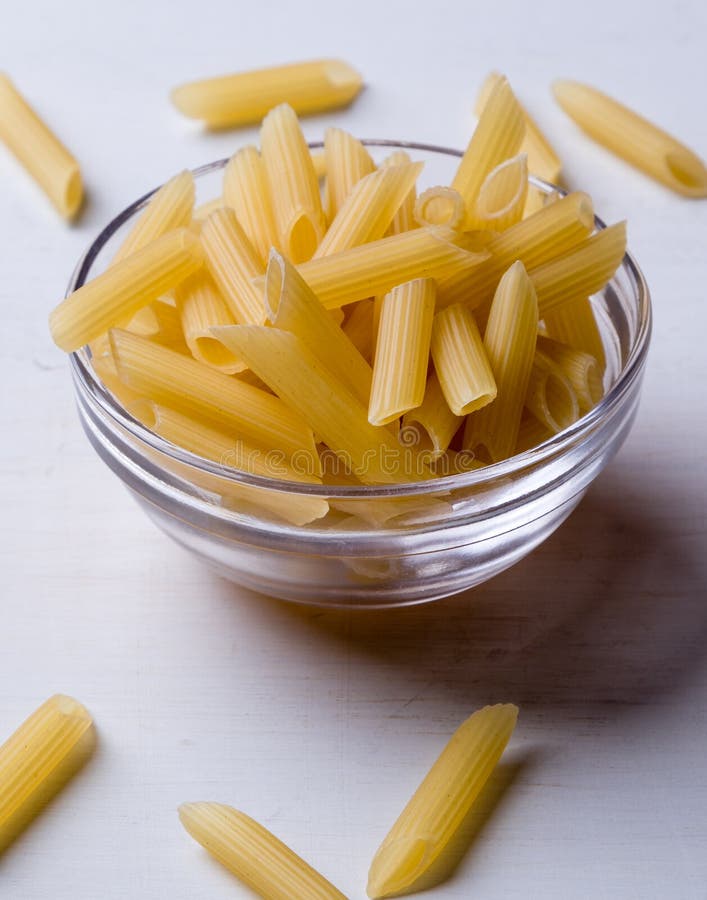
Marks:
<point>397,866</point>
<point>71,198</point>
<point>687,173</point>
<point>343,76</point>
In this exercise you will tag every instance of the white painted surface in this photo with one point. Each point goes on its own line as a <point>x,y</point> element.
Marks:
<point>321,724</point>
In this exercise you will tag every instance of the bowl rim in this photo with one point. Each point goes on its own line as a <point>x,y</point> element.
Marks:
<point>89,382</point>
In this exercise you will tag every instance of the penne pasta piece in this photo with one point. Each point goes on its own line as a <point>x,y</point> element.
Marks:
<point>253,854</point>
<point>297,376</point>
<point>439,805</point>
<point>291,306</point>
<point>432,425</point>
<point>498,136</point>
<point>543,161</point>
<point>440,206</point>
<point>233,264</point>
<point>551,397</point>
<point>347,161</point>
<point>369,209</point>
<point>118,293</point>
<point>246,191</point>
<point>633,138</point>
<point>169,327</point>
<point>404,219</point>
<point>319,163</point>
<point>136,405</point>
<point>531,433</point>
<point>375,268</point>
<point>509,341</point>
<point>402,351</point>
<point>39,150</point>
<point>200,307</point>
<point>574,324</point>
<point>358,327</point>
<point>294,186</point>
<point>170,207</point>
<point>581,370</point>
<point>200,392</point>
<point>549,233</point>
<point>243,99</point>
<point>581,272</point>
<point>502,196</point>
<point>461,362</point>
<point>39,758</point>
<point>399,510</point>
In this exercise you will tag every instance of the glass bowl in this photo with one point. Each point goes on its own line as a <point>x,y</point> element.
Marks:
<point>376,546</point>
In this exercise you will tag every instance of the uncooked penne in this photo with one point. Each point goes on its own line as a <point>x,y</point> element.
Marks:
<point>575,324</point>
<point>440,206</point>
<point>443,799</point>
<point>244,98</point>
<point>233,263</point>
<point>118,293</point>
<point>201,306</point>
<point>294,186</point>
<point>547,234</point>
<point>39,758</point>
<point>292,370</point>
<point>254,854</point>
<point>633,138</point>
<point>551,397</point>
<point>497,137</point>
<point>543,160</point>
<point>509,340</point>
<point>39,150</point>
<point>405,217</point>
<point>432,425</point>
<point>375,268</point>
<point>169,207</point>
<point>460,361</point>
<point>368,211</point>
<point>199,391</point>
<point>247,192</point>
<point>347,161</point>
<point>291,306</point>
<point>581,369</point>
<point>402,351</point>
<point>502,196</point>
<point>358,327</point>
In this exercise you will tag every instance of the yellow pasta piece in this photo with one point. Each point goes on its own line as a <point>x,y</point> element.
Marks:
<point>170,207</point>
<point>243,99</point>
<point>509,340</point>
<point>551,398</point>
<point>574,324</point>
<point>439,805</point>
<point>246,191</point>
<point>633,138</point>
<point>460,360</point>
<point>543,161</point>
<point>39,150</point>
<point>581,272</point>
<point>440,206</point>
<point>200,392</point>
<point>375,268</point>
<point>358,327</point>
<point>402,351</point>
<point>200,307</point>
<point>293,184</point>
<point>233,264</point>
<point>169,327</point>
<point>319,163</point>
<point>369,209</point>
<point>396,510</point>
<point>39,758</point>
<point>291,306</point>
<point>497,137</point>
<point>502,196</point>
<point>124,288</point>
<point>291,369</point>
<point>549,233</point>
<point>405,217</point>
<point>253,854</point>
<point>432,425</point>
<point>136,405</point>
<point>531,433</point>
<point>347,161</point>
<point>581,370</point>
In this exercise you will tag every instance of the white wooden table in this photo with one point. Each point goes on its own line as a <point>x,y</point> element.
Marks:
<point>320,724</point>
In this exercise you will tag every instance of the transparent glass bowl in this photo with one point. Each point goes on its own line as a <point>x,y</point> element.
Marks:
<point>453,532</point>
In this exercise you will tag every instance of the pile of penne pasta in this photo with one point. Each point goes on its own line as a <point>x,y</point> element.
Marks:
<point>321,309</point>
